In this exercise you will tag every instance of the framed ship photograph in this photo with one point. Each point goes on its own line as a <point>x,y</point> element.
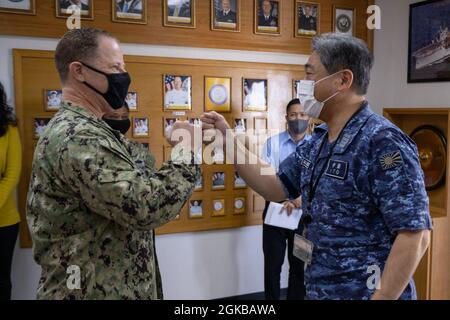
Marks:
<point>429,41</point>
<point>66,8</point>
<point>18,6</point>
<point>267,17</point>
<point>179,13</point>
<point>225,15</point>
<point>129,11</point>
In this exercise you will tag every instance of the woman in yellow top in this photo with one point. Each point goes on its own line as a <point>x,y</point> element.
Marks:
<point>10,166</point>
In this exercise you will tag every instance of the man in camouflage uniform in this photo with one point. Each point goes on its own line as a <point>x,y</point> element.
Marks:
<point>364,201</point>
<point>93,202</point>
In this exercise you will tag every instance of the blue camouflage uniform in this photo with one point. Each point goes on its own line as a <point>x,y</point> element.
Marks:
<point>370,187</point>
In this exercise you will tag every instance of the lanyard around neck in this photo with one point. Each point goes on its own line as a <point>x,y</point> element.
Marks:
<point>313,185</point>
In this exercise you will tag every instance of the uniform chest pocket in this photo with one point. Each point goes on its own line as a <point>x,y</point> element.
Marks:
<point>334,189</point>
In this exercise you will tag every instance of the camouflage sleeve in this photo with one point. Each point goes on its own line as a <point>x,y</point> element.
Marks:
<point>141,156</point>
<point>397,182</point>
<point>289,174</point>
<point>111,185</point>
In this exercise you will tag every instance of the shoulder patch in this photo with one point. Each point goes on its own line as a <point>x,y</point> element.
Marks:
<point>391,160</point>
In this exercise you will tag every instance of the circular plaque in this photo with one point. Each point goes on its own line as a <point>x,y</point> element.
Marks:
<point>238,204</point>
<point>218,94</point>
<point>343,23</point>
<point>218,205</point>
<point>432,146</point>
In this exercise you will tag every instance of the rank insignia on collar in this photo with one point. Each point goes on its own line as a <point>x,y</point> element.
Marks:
<point>391,160</point>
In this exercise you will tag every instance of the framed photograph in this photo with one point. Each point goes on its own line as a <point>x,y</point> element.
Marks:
<point>52,99</point>
<point>179,13</point>
<point>66,8</point>
<point>239,205</point>
<point>254,96</point>
<point>240,125</point>
<point>195,208</point>
<point>218,156</point>
<point>177,92</point>
<point>218,180</point>
<point>218,208</point>
<point>39,126</point>
<point>132,101</point>
<point>195,121</point>
<point>239,183</point>
<point>140,127</point>
<point>307,19</point>
<point>167,124</point>
<point>19,7</point>
<point>429,41</point>
<point>218,94</point>
<point>267,17</point>
<point>199,184</point>
<point>225,15</point>
<point>344,20</point>
<point>146,145</point>
<point>129,11</point>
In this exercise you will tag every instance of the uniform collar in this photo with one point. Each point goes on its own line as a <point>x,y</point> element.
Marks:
<point>351,130</point>
<point>286,137</point>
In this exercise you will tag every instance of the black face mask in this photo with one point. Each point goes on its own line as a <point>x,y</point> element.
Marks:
<point>118,84</point>
<point>120,125</point>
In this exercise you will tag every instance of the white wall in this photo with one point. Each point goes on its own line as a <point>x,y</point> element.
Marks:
<point>202,265</point>
<point>389,87</point>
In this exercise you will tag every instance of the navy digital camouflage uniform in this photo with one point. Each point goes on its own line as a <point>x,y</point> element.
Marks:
<point>372,187</point>
<point>93,202</point>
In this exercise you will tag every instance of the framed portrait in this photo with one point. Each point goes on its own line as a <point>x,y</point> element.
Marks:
<point>129,11</point>
<point>195,208</point>
<point>217,94</point>
<point>39,126</point>
<point>146,145</point>
<point>132,101</point>
<point>344,20</point>
<point>19,7</point>
<point>218,180</point>
<point>268,17</point>
<point>239,205</point>
<point>225,15</point>
<point>177,92</point>
<point>52,99</point>
<point>199,184</point>
<point>240,125</point>
<point>179,13</point>
<point>239,183</point>
<point>307,19</point>
<point>218,156</point>
<point>167,125</point>
<point>218,208</point>
<point>254,97</point>
<point>66,8</point>
<point>429,41</point>
<point>140,127</point>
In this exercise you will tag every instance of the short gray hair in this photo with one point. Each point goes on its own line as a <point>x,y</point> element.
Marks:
<point>338,52</point>
<point>77,45</point>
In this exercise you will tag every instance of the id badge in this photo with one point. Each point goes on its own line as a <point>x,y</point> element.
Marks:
<point>303,249</point>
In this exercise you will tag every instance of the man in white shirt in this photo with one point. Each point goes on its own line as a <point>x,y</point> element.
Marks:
<point>177,96</point>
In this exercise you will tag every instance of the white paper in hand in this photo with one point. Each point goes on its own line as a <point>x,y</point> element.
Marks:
<point>276,218</point>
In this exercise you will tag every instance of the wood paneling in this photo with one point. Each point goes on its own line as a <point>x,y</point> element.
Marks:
<point>432,276</point>
<point>34,71</point>
<point>45,24</point>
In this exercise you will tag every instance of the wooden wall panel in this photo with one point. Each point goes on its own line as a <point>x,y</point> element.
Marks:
<point>34,71</point>
<point>45,24</point>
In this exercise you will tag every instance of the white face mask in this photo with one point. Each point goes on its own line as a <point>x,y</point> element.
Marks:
<point>305,93</point>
